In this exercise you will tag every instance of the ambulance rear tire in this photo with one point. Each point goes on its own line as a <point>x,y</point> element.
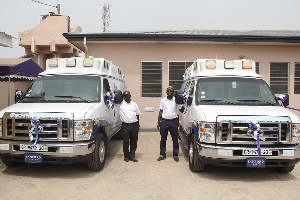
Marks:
<point>286,169</point>
<point>97,160</point>
<point>195,163</point>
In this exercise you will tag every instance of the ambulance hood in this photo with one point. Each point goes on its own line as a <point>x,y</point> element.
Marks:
<point>210,112</point>
<point>67,110</point>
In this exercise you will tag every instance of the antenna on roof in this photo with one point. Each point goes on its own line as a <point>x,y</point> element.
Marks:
<point>106,16</point>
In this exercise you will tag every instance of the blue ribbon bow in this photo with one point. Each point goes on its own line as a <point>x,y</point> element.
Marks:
<point>35,122</point>
<point>283,99</point>
<point>185,97</point>
<point>255,129</point>
<point>110,100</point>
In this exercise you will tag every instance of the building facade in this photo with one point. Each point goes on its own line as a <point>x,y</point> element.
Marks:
<point>151,61</point>
<point>46,40</point>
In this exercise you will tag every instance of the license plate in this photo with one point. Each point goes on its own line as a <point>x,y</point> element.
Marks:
<point>33,158</point>
<point>254,152</point>
<point>256,162</point>
<point>37,147</point>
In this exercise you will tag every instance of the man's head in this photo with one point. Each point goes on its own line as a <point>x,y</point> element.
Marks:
<point>170,92</point>
<point>127,96</point>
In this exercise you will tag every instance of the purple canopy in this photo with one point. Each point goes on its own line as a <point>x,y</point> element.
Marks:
<point>19,68</point>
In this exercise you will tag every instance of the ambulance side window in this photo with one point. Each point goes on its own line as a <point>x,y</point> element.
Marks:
<point>106,86</point>
<point>187,85</point>
<point>191,92</point>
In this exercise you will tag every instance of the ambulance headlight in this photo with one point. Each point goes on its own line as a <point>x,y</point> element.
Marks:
<point>295,133</point>
<point>207,132</point>
<point>83,130</point>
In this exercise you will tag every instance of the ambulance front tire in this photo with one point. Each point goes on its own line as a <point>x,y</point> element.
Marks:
<point>286,169</point>
<point>97,160</point>
<point>9,163</point>
<point>195,163</point>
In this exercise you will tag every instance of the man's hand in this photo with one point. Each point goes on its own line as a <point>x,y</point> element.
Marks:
<point>181,109</point>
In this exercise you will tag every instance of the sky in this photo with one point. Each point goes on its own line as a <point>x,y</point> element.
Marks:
<point>150,15</point>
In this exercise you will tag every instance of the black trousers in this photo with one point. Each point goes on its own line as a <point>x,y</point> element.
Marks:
<point>165,127</point>
<point>130,132</point>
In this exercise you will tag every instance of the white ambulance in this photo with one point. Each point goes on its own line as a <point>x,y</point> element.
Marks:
<point>67,114</point>
<point>232,118</point>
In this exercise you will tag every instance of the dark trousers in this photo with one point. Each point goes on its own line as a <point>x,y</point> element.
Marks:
<point>165,127</point>
<point>130,132</point>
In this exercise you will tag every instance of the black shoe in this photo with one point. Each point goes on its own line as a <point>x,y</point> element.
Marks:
<point>126,159</point>
<point>160,158</point>
<point>176,158</point>
<point>133,159</point>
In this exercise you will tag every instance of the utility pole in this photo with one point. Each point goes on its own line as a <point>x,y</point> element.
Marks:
<point>58,9</point>
<point>106,16</point>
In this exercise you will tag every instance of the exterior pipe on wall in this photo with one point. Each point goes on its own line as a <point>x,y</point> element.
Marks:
<point>86,48</point>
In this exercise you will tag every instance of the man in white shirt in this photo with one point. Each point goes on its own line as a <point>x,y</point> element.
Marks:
<point>167,121</point>
<point>129,115</point>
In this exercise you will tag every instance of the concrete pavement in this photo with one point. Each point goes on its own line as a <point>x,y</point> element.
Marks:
<point>146,179</point>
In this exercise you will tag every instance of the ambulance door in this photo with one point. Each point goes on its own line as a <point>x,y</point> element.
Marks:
<point>109,111</point>
<point>187,116</point>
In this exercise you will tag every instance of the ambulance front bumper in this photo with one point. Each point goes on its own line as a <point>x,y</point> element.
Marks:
<point>275,156</point>
<point>55,152</point>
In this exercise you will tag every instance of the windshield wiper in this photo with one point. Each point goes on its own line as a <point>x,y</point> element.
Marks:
<point>84,100</point>
<point>30,98</point>
<point>217,101</point>
<point>255,100</point>
<point>210,100</point>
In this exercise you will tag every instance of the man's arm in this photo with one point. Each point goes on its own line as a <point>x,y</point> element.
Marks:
<point>159,118</point>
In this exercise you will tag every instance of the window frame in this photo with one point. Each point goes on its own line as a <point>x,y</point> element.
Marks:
<point>150,95</point>
<point>287,81</point>
<point>187,64</point>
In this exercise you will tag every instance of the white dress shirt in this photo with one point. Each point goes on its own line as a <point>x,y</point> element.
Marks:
<point>129,112</point>
<point>169,108</point>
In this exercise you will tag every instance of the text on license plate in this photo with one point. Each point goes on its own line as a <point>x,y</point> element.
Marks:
<point>37,147</point>
<point>265,152</point>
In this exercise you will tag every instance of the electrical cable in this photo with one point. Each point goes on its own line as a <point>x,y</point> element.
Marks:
<point>36,1</point>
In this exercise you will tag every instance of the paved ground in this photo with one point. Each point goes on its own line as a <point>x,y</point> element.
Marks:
<point>146,179</point>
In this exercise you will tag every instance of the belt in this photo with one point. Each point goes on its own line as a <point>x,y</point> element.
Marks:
<point>129,123</point>
<point>169,120</point>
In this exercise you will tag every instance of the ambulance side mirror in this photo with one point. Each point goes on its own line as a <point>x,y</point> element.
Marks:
<point>118,96</point>
<point>190,100</point>
<point>178,97</point>
<point>18,95</point>
<point>286,102</point>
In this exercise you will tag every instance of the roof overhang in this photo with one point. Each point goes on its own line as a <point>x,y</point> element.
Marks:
<point>5,40</point>
<point>204,37</point>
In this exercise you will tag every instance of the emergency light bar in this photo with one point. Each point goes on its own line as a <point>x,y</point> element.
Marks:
<point>210,64</point>
<point>88,62</point>
<point>229,64</point>
<point>53,63</point>
<point>70,62</point>
<point>247,65</point>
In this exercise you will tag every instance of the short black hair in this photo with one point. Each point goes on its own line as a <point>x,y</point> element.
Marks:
<point>125,92</point>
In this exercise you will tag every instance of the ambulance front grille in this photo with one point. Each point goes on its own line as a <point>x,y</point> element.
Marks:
<point>53,129</point>
<point>238,132</point>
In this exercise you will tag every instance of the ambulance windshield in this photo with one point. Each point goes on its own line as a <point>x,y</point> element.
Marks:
<point>234,90</point>
<point>66,88</point>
